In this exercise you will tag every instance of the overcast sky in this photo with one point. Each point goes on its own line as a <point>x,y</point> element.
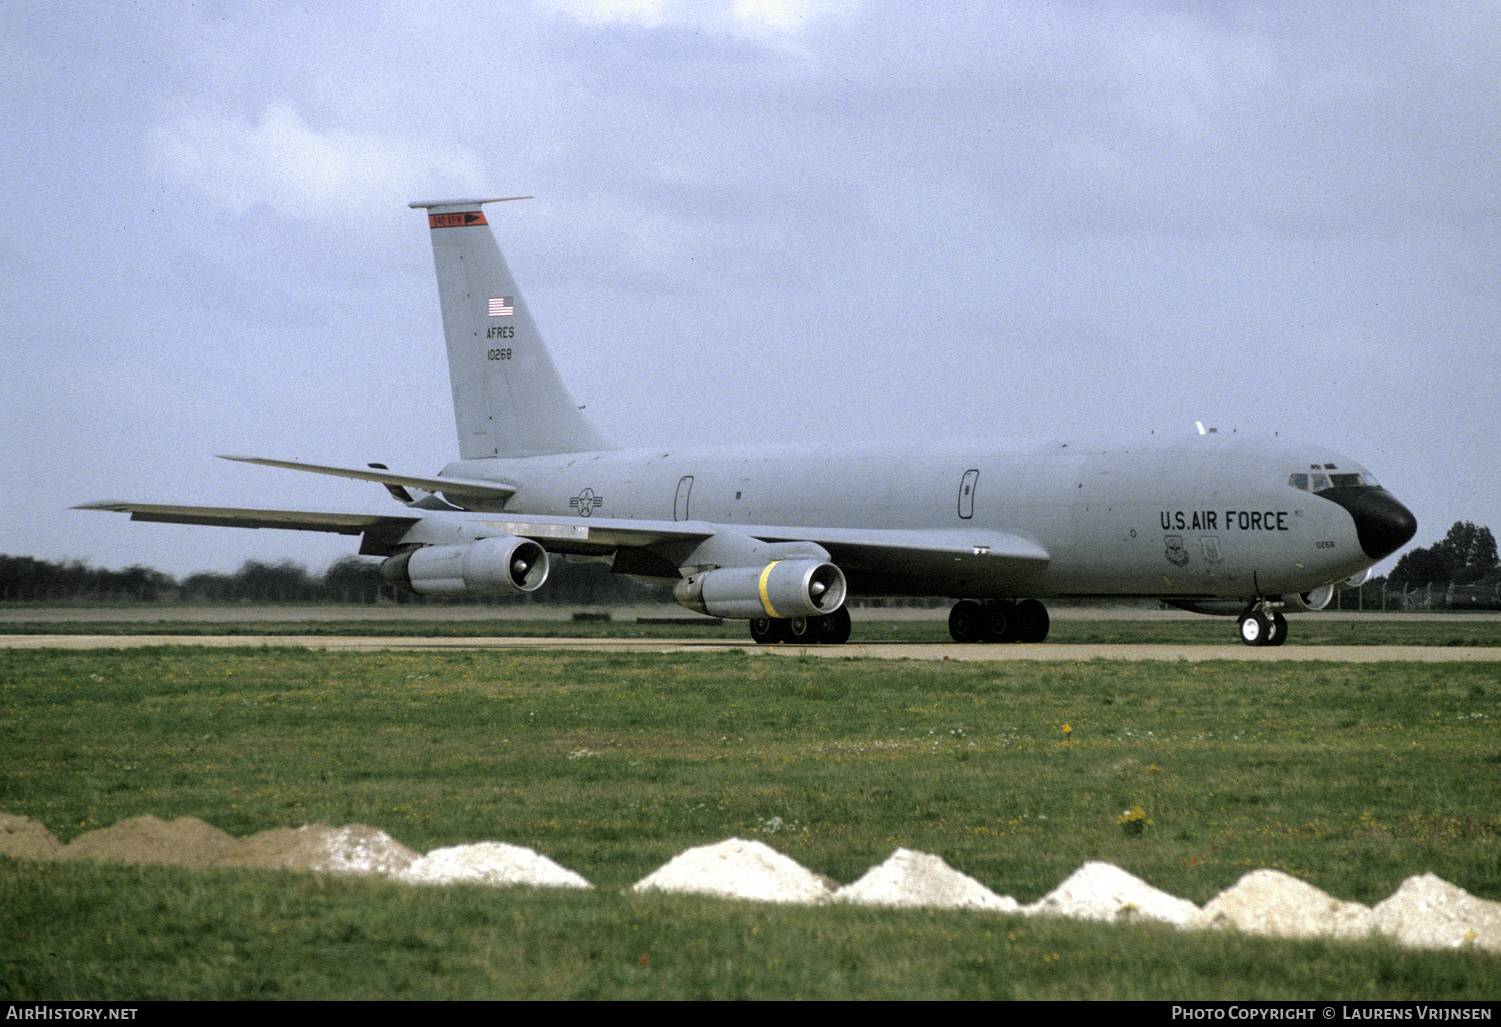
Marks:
<point>755,220</point>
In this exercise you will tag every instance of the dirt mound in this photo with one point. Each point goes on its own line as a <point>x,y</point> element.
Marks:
<point>351,849</point>
<point>1428,912</point>
<point>1425,912</point>
<point>186,841</point>
<point>738,869</point>
<point>1100,891</point>
<point>1276,905</point>
<point>910,878</point>
<point>491,863</point>
<point>189,842</point>
<point>25,838</point>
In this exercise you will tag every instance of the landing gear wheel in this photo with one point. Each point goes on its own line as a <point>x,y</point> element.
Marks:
<point>803,630</point>
<point>1000,621</point>
<point>1032,621</point>
<point>836,629</point>
<point>1255,628</point>
<point>1279,630</point>
<point>966,621</point>
<point>764,630</point>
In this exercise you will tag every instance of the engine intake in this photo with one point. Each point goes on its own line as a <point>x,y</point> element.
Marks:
<point>503,565</point>
<point>782,589</point>
<point>1316,599</point>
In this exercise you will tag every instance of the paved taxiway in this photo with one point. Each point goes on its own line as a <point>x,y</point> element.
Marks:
<point>870,650</point>
<point>143,615</point>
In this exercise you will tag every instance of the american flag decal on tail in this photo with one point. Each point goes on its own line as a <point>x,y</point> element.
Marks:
<point>501,306</point>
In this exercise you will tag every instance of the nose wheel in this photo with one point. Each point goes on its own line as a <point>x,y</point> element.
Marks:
<point>1263,626</point>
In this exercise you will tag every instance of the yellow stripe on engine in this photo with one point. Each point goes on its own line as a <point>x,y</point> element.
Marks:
<point>766,599</point>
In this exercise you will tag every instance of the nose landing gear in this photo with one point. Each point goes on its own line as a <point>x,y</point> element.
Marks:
<point>1263,624</point>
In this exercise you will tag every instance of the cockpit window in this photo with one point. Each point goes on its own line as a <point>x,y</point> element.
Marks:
<point>1319,477</point>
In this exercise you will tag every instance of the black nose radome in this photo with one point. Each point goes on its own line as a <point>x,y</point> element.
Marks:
<point>1383,524</point>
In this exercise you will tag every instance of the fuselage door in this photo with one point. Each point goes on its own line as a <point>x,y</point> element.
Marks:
<point>680,502</point>
<point>967,494</point>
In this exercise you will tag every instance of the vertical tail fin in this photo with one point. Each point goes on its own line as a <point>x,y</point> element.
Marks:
<point>508,399</point>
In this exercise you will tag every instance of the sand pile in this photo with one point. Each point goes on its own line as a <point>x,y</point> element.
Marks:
<point>189,842</point>
<point>186,841</point>
<point>25,838</point>
<point>910,878</point>
<point>738,869</point>
<point>1429,913</point>
<point>490,863</point>
<point>1274,904</point>
<point>1425,912</point>
<point>318,848</point>
<point>351,849</point>
<point>1100,891</point>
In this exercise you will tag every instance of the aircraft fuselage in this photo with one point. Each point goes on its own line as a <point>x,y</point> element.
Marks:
<point>1197,518</point>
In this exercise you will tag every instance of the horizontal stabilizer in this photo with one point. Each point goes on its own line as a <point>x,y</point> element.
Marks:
<point>468,488</point>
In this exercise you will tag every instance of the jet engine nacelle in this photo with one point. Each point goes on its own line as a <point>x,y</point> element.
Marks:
<point>1316,599</point>
<point>503,565</point>
<point>782,588</point>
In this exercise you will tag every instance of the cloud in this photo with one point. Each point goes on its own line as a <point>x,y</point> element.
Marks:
<point>770,21</point>
<point>648,13</point>
<point>306,174</point>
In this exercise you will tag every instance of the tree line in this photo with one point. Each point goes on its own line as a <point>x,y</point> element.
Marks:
<point>1465,556</point>
<point>1459,571</point>
<point>349,580</point>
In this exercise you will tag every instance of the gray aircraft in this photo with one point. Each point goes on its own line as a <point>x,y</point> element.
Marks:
<point>781,536</point>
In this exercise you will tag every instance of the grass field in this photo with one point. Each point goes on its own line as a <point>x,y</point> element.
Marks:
<point>1352,777</point>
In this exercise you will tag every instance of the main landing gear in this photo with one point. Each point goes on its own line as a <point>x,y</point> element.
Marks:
<point>999,620</point>
<point>831,629</point>
<point>1262,624</point>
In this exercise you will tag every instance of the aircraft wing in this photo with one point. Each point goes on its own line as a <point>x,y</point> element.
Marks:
<point>381,531</point>
<point>873,558</point>
<point>904,548</point>
<point>869,555</point>
<point>241,517</point>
